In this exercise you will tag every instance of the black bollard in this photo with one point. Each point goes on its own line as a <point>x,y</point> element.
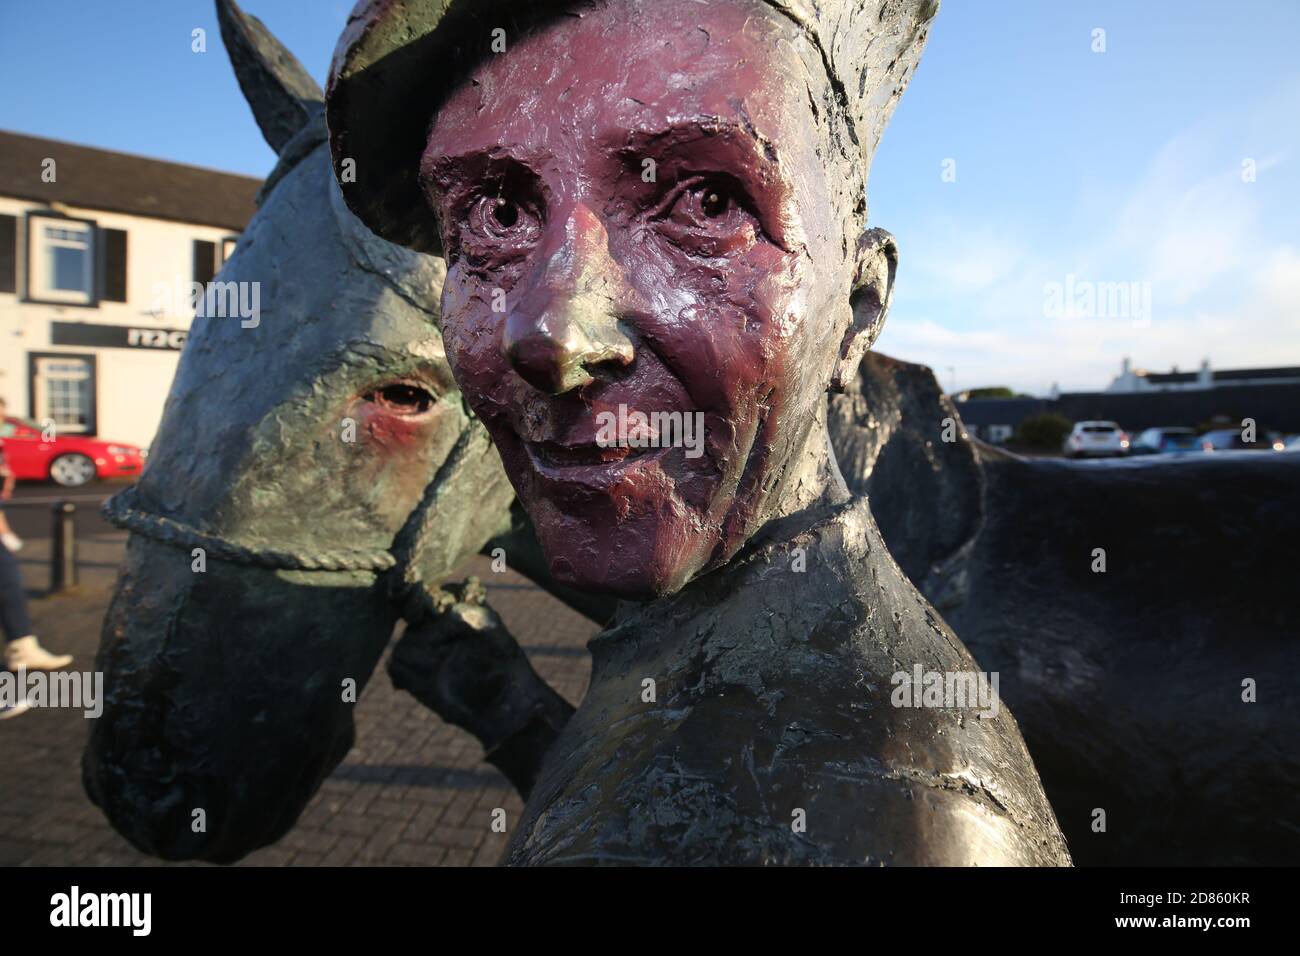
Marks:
<point>63,547</point>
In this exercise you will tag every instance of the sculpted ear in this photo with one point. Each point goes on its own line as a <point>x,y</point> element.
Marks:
<point>283,96</point>
<point>873,287</point>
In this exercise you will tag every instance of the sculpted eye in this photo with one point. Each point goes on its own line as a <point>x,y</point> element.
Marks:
<point>401,398</point>
<point>502,222</point>
<point>715,201</point>
<point>490,209</point>
<point>708,215</point>
<point>506,213</point>
<point>703,199</point>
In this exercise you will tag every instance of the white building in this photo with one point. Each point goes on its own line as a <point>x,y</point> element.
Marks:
<point>1132,379</point>
<point>89,241</point>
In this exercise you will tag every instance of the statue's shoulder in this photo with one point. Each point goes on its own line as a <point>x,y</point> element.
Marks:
<point>757,718</point>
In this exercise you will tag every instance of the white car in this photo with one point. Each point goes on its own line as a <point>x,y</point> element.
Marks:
<point>1097,439</point>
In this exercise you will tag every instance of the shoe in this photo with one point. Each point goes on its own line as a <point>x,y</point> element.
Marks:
<point>26,653</point>
<point>7,711</point>
<point>12,541</point>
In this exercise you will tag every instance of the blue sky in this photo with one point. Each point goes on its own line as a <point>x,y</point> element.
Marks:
<point>1122,166</point>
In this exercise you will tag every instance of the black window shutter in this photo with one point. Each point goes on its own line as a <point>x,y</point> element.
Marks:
<point>8,253</point>
<point>205,261</point>
<point>114,265</point>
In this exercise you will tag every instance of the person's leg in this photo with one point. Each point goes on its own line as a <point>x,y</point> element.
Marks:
<point>7,536</point>
<point>13,617</point>
<point>22,650</point>
<point>14,620</point>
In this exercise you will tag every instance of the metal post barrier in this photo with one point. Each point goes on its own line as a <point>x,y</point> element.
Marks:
<point>63,547</point>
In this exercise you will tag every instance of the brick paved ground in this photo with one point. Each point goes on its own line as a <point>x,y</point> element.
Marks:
<point>414,790</point>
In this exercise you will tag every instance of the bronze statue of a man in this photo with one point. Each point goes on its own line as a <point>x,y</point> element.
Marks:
<point>660,207</point>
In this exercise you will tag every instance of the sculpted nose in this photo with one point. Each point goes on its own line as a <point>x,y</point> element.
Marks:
<point>564,322</point>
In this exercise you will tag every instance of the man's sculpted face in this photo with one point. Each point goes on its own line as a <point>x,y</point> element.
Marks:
<point>636,219</point>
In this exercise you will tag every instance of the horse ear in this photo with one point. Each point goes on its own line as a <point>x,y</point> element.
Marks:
<point>281,93</point>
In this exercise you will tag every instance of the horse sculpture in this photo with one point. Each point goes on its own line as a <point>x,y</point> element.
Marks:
<point>314,476</point>
<point>1131,685</point>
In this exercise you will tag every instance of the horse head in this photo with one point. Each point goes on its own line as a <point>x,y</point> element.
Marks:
<point>315,467</point>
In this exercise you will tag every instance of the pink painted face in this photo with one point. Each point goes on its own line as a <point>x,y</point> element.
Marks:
<point>636,220</point>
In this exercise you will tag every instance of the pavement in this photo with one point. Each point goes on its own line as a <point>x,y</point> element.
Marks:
<point>414,790</point>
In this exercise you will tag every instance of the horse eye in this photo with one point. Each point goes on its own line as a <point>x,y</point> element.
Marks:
<point>401,398</point>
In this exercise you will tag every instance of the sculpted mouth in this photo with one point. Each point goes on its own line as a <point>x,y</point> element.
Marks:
<point>553,455</point>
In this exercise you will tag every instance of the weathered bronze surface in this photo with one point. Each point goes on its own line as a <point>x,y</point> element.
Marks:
<point>744,712</point>
<point>328,434</point>
<point>464,665</point>
<point>1132,680</point>
<point>899,442</point>
<point>1127,683</point>
<point>771,685</point>
<point>773,709</point>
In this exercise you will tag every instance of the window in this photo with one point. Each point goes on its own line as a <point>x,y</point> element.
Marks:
<point>63,390</point>
<point>68,251</point>
<point>67,387</point>
<point>61,257</point>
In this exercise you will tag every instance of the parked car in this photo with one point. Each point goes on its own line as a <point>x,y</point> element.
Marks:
<point>68,460</point>
<point>1096,438</point>
<point>1229,439</point>
<point>1167,440</point>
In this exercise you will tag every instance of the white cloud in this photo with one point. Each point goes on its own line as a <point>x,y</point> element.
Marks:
<point>1223,287</point>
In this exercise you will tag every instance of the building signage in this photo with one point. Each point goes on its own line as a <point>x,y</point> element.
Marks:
<point>116,336</point>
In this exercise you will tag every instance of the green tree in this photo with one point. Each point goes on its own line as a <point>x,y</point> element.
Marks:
<point>1043,431</point>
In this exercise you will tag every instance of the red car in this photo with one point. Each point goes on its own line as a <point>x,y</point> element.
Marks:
<point>68,460</point>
